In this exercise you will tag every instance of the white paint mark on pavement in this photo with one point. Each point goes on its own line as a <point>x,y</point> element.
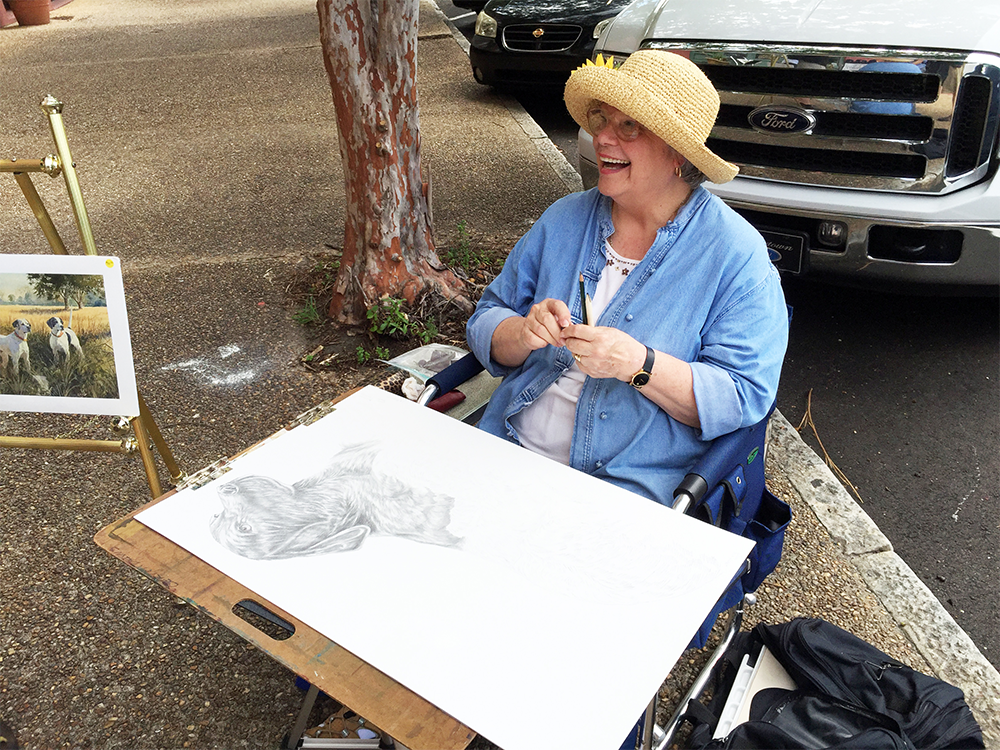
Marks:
<point>211,370</point>
<point>979,473</point>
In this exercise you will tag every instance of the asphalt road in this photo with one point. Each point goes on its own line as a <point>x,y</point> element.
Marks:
<point>905,400</point>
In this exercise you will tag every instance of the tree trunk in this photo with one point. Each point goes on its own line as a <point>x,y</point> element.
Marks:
<point>370,53</point>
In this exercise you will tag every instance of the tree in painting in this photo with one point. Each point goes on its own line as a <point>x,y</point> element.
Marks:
<point>370,54</point>
<point>65,287</point>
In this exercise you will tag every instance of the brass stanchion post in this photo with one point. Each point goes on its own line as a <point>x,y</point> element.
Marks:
<point>142,438</point>
<point>143,425</point>
<point>52,107</point>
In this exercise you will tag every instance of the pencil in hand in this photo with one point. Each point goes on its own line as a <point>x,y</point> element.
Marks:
<point>585,303</point>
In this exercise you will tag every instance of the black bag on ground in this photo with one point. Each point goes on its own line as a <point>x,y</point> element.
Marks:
<point>850,695</point>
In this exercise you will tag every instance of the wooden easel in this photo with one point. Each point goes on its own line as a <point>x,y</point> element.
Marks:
<point>142,424</point>
<point>325,665</point>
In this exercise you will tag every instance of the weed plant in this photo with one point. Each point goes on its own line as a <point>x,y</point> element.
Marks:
<point>308,314</point>
<point>315,287</point>
<point>387,317</point>
<point>473,260</point>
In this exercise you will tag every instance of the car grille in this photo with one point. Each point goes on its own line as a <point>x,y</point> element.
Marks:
<point>911,121</point>
<point>553,37</point>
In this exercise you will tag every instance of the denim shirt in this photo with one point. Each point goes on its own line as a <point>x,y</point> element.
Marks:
<point>705,292</point>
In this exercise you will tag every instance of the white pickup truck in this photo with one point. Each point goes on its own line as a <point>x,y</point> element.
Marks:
<point>867,132</point>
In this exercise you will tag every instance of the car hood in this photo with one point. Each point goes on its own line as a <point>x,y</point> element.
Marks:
<point>554,11</point>
<point>970,25</point>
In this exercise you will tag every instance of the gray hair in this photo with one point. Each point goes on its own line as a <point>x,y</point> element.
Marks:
<point>692,175</point>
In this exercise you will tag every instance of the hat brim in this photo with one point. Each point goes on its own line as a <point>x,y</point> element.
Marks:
<point>629,95</point>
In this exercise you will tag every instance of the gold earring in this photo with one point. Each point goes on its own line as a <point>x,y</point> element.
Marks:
<point>677,170</point>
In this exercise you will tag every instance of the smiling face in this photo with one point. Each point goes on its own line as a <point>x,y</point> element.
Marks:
<point>635,165</point>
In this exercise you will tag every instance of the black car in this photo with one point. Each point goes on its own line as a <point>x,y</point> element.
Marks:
<point>520,42</point>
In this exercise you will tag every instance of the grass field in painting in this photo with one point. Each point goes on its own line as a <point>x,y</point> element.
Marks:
<point>93,376</point>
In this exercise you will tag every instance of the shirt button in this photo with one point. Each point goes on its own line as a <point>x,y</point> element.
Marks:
<point>604,415</point>
<point>628,318</point>
<point>599,464</point>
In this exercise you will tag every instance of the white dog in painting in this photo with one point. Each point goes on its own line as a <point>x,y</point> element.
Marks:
<point>62,339</point>
<point>14,347</point>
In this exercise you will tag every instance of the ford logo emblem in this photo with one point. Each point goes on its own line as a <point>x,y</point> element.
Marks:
<point>781,120</point>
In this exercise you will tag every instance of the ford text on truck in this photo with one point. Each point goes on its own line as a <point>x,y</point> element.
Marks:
<point>867,133</point>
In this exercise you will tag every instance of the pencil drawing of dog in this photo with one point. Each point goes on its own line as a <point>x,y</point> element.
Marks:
<point>14,347</point>
<point>62,339</point>
<point>333,511</point>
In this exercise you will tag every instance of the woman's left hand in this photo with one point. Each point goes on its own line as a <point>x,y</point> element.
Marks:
<point>602,352</point>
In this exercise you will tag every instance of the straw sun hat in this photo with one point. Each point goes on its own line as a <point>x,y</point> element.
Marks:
<point>666,93</point>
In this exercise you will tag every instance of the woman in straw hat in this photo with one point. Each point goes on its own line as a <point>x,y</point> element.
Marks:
<point>687,327</point>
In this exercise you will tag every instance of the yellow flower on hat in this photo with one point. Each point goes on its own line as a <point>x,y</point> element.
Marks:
<point>600,62</point>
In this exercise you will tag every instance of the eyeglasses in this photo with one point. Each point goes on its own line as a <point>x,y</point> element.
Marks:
<point>626,130</point>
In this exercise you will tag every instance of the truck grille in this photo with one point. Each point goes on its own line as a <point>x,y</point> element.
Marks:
<point>553,37</point>
<point>908,121</point>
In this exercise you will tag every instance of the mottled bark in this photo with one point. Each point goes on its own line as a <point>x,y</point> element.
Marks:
<point>370,53</point>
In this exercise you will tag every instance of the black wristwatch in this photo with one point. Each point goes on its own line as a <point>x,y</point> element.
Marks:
<point>642,377</point>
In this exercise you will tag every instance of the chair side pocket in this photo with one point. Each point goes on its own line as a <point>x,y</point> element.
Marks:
<point>767,530</point>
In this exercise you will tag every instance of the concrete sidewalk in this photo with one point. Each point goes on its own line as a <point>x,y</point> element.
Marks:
<point>205,142</point>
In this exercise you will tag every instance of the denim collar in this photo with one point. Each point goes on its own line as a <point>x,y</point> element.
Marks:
<point>698,197</point>
<point>664,235</point>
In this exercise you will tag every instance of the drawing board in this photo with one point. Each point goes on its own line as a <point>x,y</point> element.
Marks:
<point>532,602</point>
<point>64,337</point>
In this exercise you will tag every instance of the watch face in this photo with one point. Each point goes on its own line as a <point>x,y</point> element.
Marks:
<point>640,379</point>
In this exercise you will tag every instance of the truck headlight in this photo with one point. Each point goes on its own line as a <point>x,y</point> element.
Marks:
<point>598,30</point>
<point>486,25</point>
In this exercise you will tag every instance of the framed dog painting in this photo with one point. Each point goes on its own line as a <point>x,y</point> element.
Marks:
<point>64,338</point>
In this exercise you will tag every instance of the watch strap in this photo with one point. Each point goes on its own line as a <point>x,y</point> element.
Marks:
<point>642,377</point>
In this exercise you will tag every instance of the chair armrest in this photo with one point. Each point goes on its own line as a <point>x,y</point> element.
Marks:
<point>726,451</point>
<point>450,378</point>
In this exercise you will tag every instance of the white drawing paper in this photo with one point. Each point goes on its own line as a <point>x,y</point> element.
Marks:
<point>64,337</point>
<point>505,588</point>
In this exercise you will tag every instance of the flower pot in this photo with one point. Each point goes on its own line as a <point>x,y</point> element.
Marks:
<point>30,12</point>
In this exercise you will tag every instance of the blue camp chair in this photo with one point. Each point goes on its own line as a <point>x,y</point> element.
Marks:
<point>726,488</point>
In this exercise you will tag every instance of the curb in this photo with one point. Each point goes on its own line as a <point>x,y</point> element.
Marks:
<point>948,649</point>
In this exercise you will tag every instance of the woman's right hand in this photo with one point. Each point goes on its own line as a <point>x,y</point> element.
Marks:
<point>516,337</point>
<point>544,324</point>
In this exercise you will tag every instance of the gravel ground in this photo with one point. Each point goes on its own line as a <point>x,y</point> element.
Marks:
<point>94,655</point>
